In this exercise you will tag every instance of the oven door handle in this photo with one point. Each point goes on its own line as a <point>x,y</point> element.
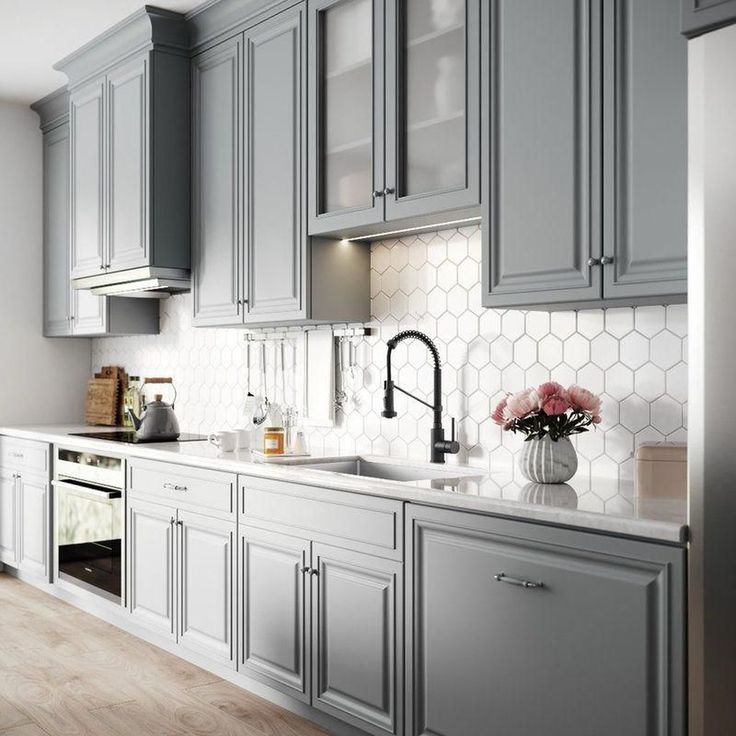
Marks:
<point>97,493</point>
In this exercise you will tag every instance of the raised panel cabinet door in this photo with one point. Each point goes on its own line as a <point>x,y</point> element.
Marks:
<point>8,517</point>
<point>273,611</point>
<point>217,252</point>
<point>275,127</point>
<point>87,132</point>
<point>206,577</point>
<point>433,62</point>
<point>152,566</point>
<point>128,112</point>
<point>541,169</point>
<point>701,16</point>
<point>346,114</point>
<point>357,639</point>
<point>89,313</point>
<point>56,291</point>
<point>645,148</point>
<point>592,645</point>
<point>33,504</point>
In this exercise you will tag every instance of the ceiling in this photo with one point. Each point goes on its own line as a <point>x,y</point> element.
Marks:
<point>35,34</point>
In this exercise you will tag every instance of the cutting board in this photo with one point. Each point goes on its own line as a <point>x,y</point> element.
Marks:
<point>101,406</point>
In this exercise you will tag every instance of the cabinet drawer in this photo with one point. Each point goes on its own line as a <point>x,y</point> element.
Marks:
<point>348,520</point>
<point>24,455</point>
<point>187,488</point>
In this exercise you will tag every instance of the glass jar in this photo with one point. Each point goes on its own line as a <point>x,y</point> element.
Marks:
<point>273,441</point>
<point>132,399</point>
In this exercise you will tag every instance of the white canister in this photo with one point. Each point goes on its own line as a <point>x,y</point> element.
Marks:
<point>243,438</point>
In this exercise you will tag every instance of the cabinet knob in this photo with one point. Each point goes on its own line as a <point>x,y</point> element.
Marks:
<point>594,261</point>
<point>377,193</point>
<point>306,569</point>
<point>173,521</point>
<point>314,572</point>
<point>605,260</point>
<point>388,190</point>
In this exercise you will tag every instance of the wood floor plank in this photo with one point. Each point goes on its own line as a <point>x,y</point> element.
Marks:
<point>64,672</point>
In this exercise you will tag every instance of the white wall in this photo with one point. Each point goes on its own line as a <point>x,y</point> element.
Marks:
<point>41,379</point>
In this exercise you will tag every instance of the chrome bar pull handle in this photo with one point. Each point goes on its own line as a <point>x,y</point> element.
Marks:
<point>502,577</point>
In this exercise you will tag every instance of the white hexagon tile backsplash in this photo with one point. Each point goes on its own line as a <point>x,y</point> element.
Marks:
<point>636,358</point>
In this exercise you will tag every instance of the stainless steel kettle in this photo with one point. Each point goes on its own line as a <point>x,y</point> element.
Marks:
<point>158,423</point>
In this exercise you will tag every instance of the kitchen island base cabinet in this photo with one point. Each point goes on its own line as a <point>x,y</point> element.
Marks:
<point>593,645</point>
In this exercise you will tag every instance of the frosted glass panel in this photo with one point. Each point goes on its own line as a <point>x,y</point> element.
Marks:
<point>434,80</point>
<point>347,106</point>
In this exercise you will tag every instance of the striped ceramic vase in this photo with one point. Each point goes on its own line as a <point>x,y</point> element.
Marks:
<point>546,461</point>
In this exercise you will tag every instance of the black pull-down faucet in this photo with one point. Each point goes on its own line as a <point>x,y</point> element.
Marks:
<point>438,444</point>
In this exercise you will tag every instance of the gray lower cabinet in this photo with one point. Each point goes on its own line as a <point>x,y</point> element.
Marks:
<point>357,638</point>
<point>8,517</point>
<point>34,506</point>
<point>701,16</point>
<point>584,181</point>
<point>253,262</point>
<point>180,577</point>
<point>322,619</point>
<point>275,643</point>
<point>593,645</point>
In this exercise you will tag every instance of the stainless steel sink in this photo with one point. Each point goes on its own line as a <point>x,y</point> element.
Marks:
<point>368,468</point>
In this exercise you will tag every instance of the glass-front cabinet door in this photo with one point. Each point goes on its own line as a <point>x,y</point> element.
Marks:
<point>346,114</point>
<point>432,106</point>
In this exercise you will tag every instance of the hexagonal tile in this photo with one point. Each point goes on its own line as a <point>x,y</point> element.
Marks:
<point>380,257</point>
<point>479,353</point>
<point>408,280</point>
<point>389,281</point>
<point>666,414</point>
<point>591,444</point>
<point>649,382</point>
<point>457,248</point>
<point>676,319</point>
<point>537,324</point>
<point>436,250</point>
<point>468,379</point>
<point>468,273</point>
<point>666,349</point>
<point>512,378</point>
<point>489,379</point>
<point>590,376</point>
<point>536,374</point>
<point>619,443</point>
<point>501,352</point>
<point>379,307</point>
<point>418,254</point>
<point>634,350</point>
<point>399,256</point>
<point>447,327</point>
<point>649,320</point>
<point>512,324</point>
<point>457,300</point>
<point>467,327</point>
<point>576,351</point>
<point>550,351</point>
<point>398,305</point>
<point>563,324</point>
<point>447,275</point>
<point>490,324</point>
<point>525,351</point>
<point>604,350</point>
<point>619,322</point>
<point>590,322</point>
<point>676,382</point>
<point>437,302</point>
<point>619,381</point>
<point>634,413</point>
<point>418,304</point>
<point>457,353</point>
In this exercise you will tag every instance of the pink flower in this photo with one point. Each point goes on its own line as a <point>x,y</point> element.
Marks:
<point>524,403</point>
<point>499,415</point>
<point>597,419</point>
<point>584,400</point>
<point>553,399</point>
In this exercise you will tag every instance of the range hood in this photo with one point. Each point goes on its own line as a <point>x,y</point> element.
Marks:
<point>143,283</point>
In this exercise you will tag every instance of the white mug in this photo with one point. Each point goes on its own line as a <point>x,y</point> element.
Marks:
<point>224,441</point>
<point>243,438</point>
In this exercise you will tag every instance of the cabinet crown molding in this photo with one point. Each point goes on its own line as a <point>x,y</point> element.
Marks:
<point>53,109</point>
<point>149,28</point>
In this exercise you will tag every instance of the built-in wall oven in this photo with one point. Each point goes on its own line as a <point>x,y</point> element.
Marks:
<point>89,532</point>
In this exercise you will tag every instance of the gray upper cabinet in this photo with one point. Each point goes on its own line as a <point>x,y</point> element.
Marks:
<point>253,261</point>
<point>432,107</point>
<point>346,114</point>
<point>275,134</point>
<point>67,311</point>
<point>701,16</point>
<point>394,114</point>
<point>645,149</point>
<point>127,100</point>
<point>584,184</point>
<point>543,165</point>
<point>87,106</point>
<point>218,262</point>
<point>130,140</point>
<point>594,646</point>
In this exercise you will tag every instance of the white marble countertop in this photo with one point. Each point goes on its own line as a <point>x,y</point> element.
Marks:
<point>588,503</point>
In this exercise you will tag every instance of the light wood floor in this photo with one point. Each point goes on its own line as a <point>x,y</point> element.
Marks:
<point>66,673</point>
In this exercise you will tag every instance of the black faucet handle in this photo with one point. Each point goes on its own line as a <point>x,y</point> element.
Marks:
<point>389,412</point>
<point>453,444</point>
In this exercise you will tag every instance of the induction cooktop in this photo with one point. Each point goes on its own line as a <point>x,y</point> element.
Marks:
<point>129,436</point>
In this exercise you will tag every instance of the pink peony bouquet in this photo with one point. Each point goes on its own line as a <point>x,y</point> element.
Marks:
<point>550,410</point>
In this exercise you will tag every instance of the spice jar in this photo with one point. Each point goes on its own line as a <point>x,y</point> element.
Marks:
<point>273,441</point>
